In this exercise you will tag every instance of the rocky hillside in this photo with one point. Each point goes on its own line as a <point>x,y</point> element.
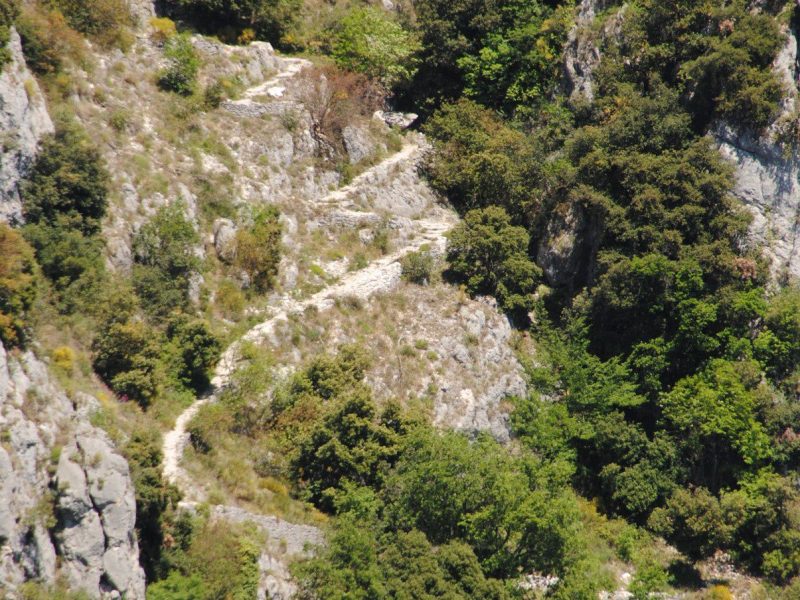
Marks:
<point>263,336</point>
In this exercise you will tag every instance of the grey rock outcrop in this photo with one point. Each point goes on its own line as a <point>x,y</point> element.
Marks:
<point>67,507</point>
<point>768,173</point>
<point>582,50</point>
<point>768,184</point>
<point>142,11</point>
<point>24,120</point>
<point>566,250</point>
<point>225,239</point>
<point>357,143</point>
<point>396,119</point>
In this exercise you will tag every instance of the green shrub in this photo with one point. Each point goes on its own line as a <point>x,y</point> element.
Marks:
<point>417,267</point>
<point>177,587</point>
<point>258,248</point>
<point>66,255</point>
<point>229,300</point>
<point>180,74</point>
<point>369,42</point>
<point>126,356</point>
<point>9,11</point>
<point>479,160</point>
<point>195,349</point>
<point>18,285</point>
<point>353,443</point>
<point>165,261</point>
<point>162,29</point>
<point>220,559</point>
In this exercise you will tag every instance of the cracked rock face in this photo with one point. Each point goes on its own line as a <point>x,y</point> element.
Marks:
<point>24,120</point>
<point>67,506</point>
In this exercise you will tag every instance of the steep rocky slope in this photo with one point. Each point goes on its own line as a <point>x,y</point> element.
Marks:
<point>67,506</point>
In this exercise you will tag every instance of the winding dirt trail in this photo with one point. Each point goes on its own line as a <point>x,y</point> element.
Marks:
<point>381,275</point>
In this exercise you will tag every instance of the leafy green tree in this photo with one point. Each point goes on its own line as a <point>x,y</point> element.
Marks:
<point>369,42</point>
<point>64,201</point>
<point>358,562</point>
<point>516,68</point>
<point>718,56</point>
<point>348,569</point>
<point>778,344</point>
<point>694,521</point>
<point>72,261</point>
<point>68,184</point>
<point>352,443</point>
<point>18,285</point>
<point>479,160</point>
<point>766,512</point>
<point>180,74</point>
<point>452,489</point>
<point>490,255</point>
<point>500,50</point>
<point>165,260</point>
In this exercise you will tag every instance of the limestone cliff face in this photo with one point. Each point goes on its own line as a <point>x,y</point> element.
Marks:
<point>23,121</point>
<point>67,505</point>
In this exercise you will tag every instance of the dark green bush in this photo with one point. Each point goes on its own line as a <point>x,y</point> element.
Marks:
<point>417,267</point>
<point>490,255</point>
<point>195,348</point>
<point>67,186</point>
<point>269,19</point>
<point>127,357</point>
